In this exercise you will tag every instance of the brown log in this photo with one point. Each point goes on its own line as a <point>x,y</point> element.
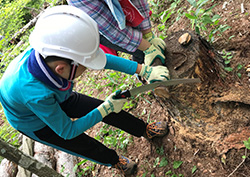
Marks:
<point>13,154</point>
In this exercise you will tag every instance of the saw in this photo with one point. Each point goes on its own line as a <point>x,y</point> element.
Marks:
<point>135,91</point>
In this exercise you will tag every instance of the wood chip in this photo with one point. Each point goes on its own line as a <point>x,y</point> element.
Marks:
<point>184,39</point>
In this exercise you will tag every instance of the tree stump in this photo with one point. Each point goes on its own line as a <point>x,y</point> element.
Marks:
<point>195,58</point>
<point>192,58</point>
<point>205,115</point>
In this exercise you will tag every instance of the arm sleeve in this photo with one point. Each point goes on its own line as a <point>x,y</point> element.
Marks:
<point>50,112</point>
<point>128,38</point>
<point>121,64</point>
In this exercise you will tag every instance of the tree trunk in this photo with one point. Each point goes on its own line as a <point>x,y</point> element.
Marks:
<point>13,154</point>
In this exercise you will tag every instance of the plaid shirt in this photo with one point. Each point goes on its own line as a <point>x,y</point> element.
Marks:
<point>128,38</point>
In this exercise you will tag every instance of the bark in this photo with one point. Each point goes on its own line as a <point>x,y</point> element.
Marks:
<point>13,154</point>
<point>27,148</point>
<point>8,168</point>
<point>65,163</point>
<point>44,154</point>
<point>194,59</point>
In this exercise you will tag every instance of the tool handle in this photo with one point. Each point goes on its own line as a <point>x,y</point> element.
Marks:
<point>123,94</point>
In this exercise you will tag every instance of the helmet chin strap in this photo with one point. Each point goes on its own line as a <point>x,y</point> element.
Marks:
<point>73,68</point>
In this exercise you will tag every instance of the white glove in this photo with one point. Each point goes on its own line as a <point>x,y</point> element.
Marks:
<point>154,73</point>
<point>151,54</point>
<point>157,42</point>
<point>111,104</point>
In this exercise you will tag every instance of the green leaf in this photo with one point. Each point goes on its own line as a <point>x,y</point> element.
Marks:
<point>168,172</point>
<point>163,162</point>
<point>209,9</point>
<point>161,27</point>
<point>192,2</point>
<point>206,19</point>
<point>231,37</point>
<point>156,162</point>
<point>224,28</point>
<point>229,69</point>
<point>197,30</point>
<point>194,169</point>
<point>247,143</point>
<point>190,16</point>
<point>239,66</point>
<point>201,3</point>
<point>177,164</point>
<point>215,18</point>
<point>227,62</point>
<point>167,17</point>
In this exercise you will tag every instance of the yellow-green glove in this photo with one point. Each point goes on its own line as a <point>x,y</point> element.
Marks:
<point>154,73</point>
<point>157,42</point>
<point>111,104</point>
<point>151,54</point>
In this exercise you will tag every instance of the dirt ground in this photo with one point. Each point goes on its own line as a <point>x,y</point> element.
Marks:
<point>210,140</point>
<point>208,121</point>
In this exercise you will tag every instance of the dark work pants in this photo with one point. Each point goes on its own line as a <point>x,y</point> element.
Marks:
<point>78,105</point>
<point>138,55</point>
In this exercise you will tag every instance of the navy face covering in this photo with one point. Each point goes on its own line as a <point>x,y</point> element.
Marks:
<point>39,69</point>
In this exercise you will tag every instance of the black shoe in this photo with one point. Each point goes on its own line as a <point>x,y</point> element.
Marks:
<point>126,165</point>
<point>156,129</point>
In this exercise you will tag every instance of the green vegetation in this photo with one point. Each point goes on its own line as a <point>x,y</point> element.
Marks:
<point>15,14</point>
<point>85,171</point>
<point>202,17</point>
<point>164,17</point>
<point>228,56</point>
<point>247,143</point>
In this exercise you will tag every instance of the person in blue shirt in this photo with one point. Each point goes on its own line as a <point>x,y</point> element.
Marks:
<point>37,97</point>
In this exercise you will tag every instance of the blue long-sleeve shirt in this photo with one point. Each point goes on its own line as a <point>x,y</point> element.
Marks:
<point>30,105</point>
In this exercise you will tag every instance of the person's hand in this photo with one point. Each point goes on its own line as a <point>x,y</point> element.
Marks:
<point>111,104</point>
<point>157,42</point>
<point>151,54</point>
<point>154,73</point>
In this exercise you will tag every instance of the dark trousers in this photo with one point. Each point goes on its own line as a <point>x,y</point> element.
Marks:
<point>138,55</point>
<point>78,105</point>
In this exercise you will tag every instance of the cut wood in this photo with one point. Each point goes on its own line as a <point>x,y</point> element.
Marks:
<point>13,154</point>
<point>45,155</point>
<point>27,148</point>
<point>8,168</point>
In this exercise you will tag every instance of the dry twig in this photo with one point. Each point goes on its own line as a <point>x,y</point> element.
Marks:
<point>239,164</point>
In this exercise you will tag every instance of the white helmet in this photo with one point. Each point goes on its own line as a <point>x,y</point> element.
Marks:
<point>68,32</point>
